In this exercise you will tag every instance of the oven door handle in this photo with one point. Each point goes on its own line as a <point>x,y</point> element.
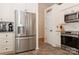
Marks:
<point>76,36</point>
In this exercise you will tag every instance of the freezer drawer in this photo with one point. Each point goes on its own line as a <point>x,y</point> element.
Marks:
<point>22,45</point>
<point>32,43</point>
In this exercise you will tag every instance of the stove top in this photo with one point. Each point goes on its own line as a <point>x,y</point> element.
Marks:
<point>71,32</point>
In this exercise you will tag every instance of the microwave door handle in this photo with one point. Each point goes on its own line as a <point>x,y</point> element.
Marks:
<point>78,15</point>
<point>19,30</point>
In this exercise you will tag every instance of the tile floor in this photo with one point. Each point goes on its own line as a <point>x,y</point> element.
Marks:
<point>46,50</point>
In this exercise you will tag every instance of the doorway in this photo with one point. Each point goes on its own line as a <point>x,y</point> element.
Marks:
<point>41,17</point>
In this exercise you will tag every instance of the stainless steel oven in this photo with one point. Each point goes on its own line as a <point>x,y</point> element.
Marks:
<point>72,17</point>
<point>70,41</point>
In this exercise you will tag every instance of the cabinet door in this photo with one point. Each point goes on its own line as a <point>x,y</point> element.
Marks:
<point>2,42</point>
<point>9,48</point>
<point>9,45</point>
<point>10,39</point>
<point>71,9</point>
<point>32,43</point>
<point>1,47</point>
<point>10,42</point>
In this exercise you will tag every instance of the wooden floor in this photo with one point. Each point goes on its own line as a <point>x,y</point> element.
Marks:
<point>41,42</point>
<point>47,49</point>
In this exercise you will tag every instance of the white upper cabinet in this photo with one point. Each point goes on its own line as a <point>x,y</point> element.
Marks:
<point>6,13</point>
<point>66,9</point>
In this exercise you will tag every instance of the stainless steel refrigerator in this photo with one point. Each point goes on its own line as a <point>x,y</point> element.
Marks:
<point>25,29</point>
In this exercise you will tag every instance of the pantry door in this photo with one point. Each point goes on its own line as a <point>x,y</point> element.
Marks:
<point>49,26</point>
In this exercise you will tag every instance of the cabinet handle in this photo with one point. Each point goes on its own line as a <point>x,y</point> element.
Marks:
<point>6,48</point>
<point>6,41</point>
<point>51,30</point>
<point>6,35</point>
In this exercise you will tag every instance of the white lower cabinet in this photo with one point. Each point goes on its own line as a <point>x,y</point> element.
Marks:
<point>7,43</point>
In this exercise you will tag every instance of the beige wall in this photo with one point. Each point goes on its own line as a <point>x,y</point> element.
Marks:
<point>41,21</point>
<point>41,8</point>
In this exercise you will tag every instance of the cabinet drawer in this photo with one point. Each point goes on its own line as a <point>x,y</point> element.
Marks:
<point>2,42</point>
<point>11,44</point>
<point>2,49</point>
<point>7,35</point>
<point>6,48</point>
<point>10,35</point>
<point>2,36</point>
<point>9,48</point>
<point>5,42</point>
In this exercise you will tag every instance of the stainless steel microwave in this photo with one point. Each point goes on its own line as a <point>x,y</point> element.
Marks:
<point>72,17</point>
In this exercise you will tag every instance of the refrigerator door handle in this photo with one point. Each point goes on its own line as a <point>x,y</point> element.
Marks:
<point>18,44</point>
<point>22,38</point>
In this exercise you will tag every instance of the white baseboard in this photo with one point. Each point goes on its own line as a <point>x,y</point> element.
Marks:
<point>37,48</point>
<point>54,45</point>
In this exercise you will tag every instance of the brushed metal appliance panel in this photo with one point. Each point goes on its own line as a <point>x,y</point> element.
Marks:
<point>32,42</point>
<point>31,24</point>
<point>22,44</point>
<point>20,17</point>
<point>27,23</point>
